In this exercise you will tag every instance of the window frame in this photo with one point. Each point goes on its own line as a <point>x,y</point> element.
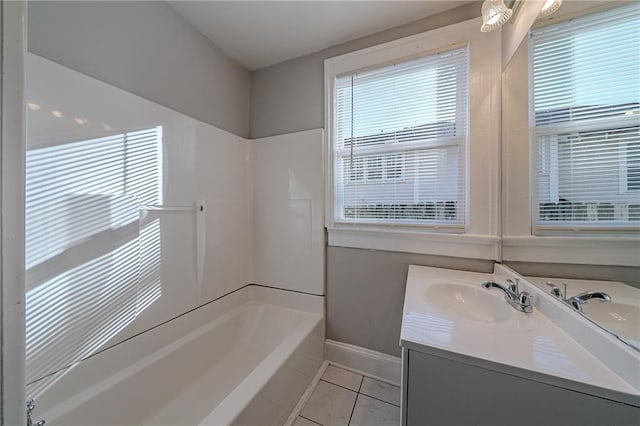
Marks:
<point>479,236</point>
<point>625,169</point>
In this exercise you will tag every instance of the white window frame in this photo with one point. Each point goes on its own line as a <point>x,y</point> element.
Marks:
<point>479,237</point>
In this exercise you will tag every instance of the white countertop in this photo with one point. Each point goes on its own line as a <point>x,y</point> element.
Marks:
<point>527,345</point>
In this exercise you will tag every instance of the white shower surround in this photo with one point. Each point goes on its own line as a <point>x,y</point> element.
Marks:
<point>180,373</point>
<point>136,371</point>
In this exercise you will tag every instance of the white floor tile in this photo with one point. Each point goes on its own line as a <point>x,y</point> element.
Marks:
<point>342,377</point>
<point>381,390</point>
<point>329,405</point>
<point>301,421</point>
<point>371,412</point>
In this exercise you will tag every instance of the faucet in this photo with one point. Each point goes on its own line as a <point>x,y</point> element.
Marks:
<point>520,301</point>
<point>30,407</point>
<point>578,300</point>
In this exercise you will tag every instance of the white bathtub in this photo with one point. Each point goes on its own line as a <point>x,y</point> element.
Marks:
<point>245,359</point>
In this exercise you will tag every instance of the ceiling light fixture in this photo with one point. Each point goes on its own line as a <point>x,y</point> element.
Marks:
<point>494,15</point>
<point>549,8</point>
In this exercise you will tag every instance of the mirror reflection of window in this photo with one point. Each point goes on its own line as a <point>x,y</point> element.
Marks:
<point>586,119</point>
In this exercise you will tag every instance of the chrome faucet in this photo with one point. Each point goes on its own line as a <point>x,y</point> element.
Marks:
<point>578,300</point>
<point>31,405</point>
<point>520,301</point>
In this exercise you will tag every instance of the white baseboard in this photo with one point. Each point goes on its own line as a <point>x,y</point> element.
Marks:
<point>364,361</point>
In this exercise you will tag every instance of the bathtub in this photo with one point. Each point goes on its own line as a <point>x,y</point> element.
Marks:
<point>245,359</point>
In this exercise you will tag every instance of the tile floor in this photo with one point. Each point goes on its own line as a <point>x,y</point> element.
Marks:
<point>344,398</point>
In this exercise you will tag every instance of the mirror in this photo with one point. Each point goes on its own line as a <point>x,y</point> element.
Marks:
<point>565,239</point>
<point>612,305</point>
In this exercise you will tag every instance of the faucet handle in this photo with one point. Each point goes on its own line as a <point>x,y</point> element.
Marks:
<point>513,285</point>
<point>554,289</point>
<point>525,298</point>
<point>31,405</point>
<point>526,302</point>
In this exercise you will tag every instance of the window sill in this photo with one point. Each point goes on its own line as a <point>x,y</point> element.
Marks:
<point>622,251</point>
<point>420,242</point>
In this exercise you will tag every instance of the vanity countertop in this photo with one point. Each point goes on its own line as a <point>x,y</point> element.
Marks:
<point>528,345</point>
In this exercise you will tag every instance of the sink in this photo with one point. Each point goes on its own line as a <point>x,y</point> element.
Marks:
<point>468,302</point>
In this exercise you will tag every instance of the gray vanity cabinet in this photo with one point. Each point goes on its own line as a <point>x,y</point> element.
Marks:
<point>440,391</point>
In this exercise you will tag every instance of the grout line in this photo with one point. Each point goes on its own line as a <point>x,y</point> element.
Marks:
<point>374,397</point>
<point>286,289</point>
<point>378,399</point>
<point>340,386</point>
<point>353,409</point>
<point>362,373</point>
<point>359,390</point>
<point>312,421</point>
<point>358,393</point>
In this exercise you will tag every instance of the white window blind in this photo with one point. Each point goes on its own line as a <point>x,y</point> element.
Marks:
<point>399,142</point>
<point>586,118</point>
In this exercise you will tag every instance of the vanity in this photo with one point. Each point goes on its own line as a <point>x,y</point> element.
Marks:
<point>469,357</point>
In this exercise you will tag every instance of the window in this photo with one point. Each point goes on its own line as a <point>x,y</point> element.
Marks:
<point>375,169</point>
<point>586,122</point>
<point>631,166</point>
<point>413,158</point>
<point>399,141</point>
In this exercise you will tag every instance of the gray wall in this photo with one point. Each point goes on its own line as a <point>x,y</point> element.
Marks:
<point>147,49</point>
<point>365,288</point>
<point>289,96</point>
<point>365,293</point>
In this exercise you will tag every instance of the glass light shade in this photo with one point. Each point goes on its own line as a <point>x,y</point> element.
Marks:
<point>550,7</point>
<point>494,15</point>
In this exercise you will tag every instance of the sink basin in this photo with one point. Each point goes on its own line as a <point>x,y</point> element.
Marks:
<point>468,302</point>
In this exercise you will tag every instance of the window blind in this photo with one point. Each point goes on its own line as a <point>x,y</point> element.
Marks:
<point>586,118</point>
<point>399,142</point>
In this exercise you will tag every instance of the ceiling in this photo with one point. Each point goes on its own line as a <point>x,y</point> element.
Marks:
<point>262,33</point>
